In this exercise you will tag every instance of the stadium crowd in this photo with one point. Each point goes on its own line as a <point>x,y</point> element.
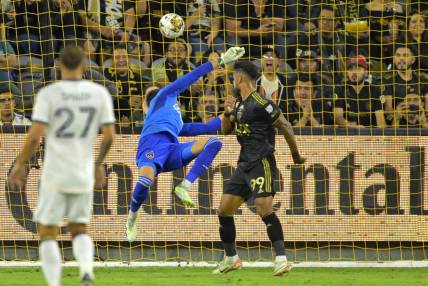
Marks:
<point>318,72</point>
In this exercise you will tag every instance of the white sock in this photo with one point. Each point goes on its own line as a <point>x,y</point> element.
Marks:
<point>187,184</point>
<point>280,258</point>
<point>132,216</point>
<point>83,251</point>
<point>51,262</point>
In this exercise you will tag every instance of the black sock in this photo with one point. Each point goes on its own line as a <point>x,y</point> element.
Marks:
<point>274,230</point>
<point>228,234</point>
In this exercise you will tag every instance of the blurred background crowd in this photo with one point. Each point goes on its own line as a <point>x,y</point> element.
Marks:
<point>316,70</point>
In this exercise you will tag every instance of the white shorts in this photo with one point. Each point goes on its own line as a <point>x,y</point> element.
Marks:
<point>53,206</point>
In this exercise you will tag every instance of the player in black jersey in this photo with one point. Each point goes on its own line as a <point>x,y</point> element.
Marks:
<point>255,119</point>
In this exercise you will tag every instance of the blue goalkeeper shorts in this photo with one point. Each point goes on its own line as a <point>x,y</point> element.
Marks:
<point>163,152</point>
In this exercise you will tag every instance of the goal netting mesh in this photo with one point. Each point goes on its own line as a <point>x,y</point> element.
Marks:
<point>359,197</point>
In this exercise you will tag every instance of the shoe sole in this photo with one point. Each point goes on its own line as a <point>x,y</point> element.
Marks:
<point>236,266</point>
<point>285,270</point>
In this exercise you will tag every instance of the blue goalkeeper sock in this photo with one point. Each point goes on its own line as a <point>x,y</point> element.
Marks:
<point>141,192</point>
<point>204,159</point>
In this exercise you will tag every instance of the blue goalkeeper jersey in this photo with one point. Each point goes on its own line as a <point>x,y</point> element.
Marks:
<point>164,113</point>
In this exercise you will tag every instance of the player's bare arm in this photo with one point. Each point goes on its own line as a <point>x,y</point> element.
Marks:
<point>32,141</point>
<point>228,120</point>
<point>285,127</point>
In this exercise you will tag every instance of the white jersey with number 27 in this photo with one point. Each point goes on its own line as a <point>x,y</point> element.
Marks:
<point>73,111</point>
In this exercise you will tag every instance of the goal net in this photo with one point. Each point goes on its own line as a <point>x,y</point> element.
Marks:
<point>348,75</point>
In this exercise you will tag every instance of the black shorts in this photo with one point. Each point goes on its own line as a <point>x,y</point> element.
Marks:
<point>257,181</point>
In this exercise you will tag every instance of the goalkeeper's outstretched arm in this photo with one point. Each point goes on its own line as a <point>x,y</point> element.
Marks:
<point>184,82</point>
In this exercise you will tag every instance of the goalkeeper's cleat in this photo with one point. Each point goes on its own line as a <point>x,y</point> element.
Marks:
<point>183,194</point>
<point>131,228</point>
<point>86,280</point>
<point>228,264</point>
<point>281,266</point>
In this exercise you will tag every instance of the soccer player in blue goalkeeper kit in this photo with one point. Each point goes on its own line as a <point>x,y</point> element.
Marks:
<point>158,148</point>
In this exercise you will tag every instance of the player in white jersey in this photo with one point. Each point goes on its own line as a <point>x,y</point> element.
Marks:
<point>69,113</point>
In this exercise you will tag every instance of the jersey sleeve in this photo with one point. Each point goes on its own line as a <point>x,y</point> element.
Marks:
<point>107,112</point>
<point>184,82</point>
<point>41,108</point>
<point>197,128</point>
<point>271,111</point>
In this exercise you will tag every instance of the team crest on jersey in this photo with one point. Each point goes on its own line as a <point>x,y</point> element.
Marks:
<point>269,108</point>
<point>177,108</point>
<point>150,155</point>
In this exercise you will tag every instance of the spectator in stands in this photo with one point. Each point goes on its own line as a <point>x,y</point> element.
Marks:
<point>108,20</point>
<point>217,82</point>
<point>296,14</point>
<point>358,103</point>
<point>149,14</point>
<point>208,108</point>
<point>174,65</point>
<point>272,84</point>
<point>92,70</point>
<point>71,27</point>
<point>385,18</point>
<point>8,61</point>
<point>8,114</point>
<point>30,78</point>
<point>308,61</point>
<point>32,31</point>
<point>419,5</point>
<point>304,108</point>
<point>137,115</point>
<point>254,24</point>
<point>410,112</point>
<point>203,24</point>
<point>139,56</point>
<point>403,77</point>
<point>360,44</point>
<point>24,29</point>
<point>417,37</point>
<point>127,82</point>
<point>346,10</point>
<point>326,41</point>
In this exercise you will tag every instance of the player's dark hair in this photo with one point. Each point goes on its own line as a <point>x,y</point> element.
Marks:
<point>150,95</point>
<point>71,57</point>
<point>247,68</point>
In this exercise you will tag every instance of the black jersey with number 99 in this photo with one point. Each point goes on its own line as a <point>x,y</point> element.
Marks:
<point>254,118</point>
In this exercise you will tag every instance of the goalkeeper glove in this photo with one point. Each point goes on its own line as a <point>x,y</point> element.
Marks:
<point>231,55</point>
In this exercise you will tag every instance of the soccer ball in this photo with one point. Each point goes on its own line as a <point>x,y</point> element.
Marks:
<point>171,26</point>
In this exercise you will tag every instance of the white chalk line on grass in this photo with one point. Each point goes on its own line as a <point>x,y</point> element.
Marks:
<point>328,264</point>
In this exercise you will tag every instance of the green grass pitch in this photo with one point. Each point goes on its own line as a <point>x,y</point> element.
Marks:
<point>186,276</point>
